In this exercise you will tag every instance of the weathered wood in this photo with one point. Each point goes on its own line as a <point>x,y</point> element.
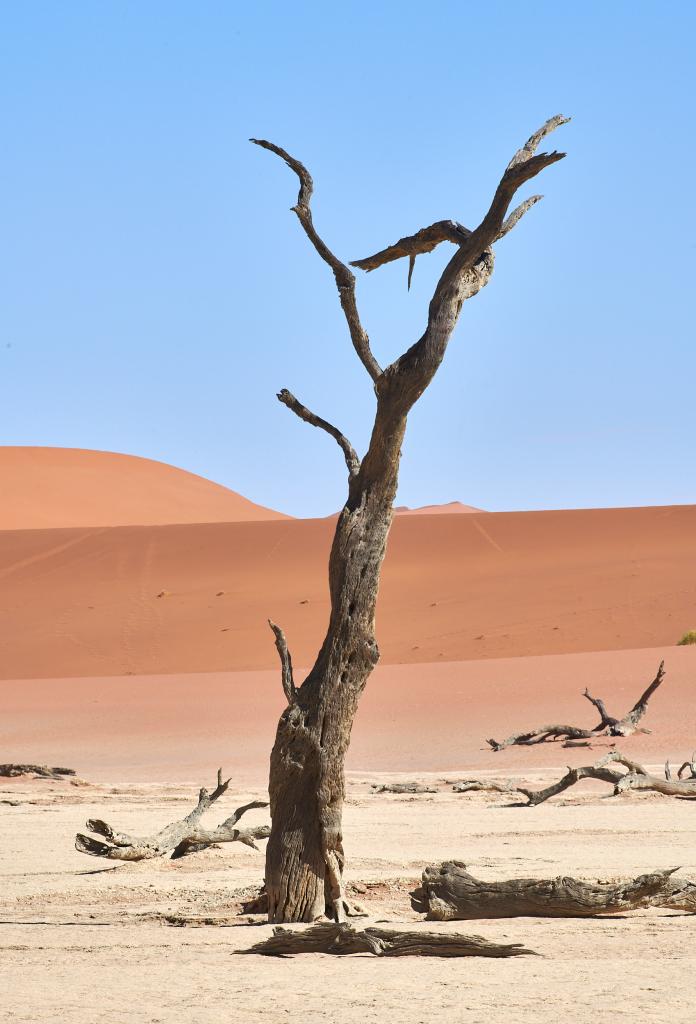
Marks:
<point>180,838</point>
<point>41,771</point>
<point>401,787</point>
<point>449,893</point>
<point>343,940</point>
<point>304,857</point>
<point>636,777</point>
<point>608,726</point>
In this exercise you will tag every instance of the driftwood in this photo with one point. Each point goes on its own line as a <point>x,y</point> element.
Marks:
<point>449,893</point>
<point>608,726</point>
<point>401,787</point>
<point>305,858</point>
<point>636,777</point>
<point>41,771</point>
<point>344,940</point>
<point>179,838</point>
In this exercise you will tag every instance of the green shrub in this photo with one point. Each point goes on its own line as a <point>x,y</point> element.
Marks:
<point>688,638</point>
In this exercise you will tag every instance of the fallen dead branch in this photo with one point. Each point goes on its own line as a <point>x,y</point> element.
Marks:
<point>40,771</point>
<point>449,893</point>
<point>179,838</point>
<point>635,777</point>
<point>401,787</point>
<point>608,726</point>
<point>344,940</point>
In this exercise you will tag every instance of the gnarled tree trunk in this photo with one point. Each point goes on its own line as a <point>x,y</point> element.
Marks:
<point>304,860</point>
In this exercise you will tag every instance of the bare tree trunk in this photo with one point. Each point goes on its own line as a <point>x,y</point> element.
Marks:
<point>304,859</point>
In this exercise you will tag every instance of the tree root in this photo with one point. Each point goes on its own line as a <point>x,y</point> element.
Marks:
<point>608,726</point>
<point>179,839</point>
<point>449,893</point>
<point>344,940</point>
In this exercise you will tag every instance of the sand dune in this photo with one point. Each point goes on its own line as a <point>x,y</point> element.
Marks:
<point>195,598</point>
<point>434,510</point>
<point>412,718</point>
<point>68,487</point>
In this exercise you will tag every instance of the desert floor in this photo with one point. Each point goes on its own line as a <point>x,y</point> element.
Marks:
<point>92,941</point>
<point>86,940</point>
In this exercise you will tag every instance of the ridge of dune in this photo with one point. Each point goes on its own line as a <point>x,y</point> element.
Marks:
<point>76,487</point>
<point>196,597</point>
<point>435,510</point>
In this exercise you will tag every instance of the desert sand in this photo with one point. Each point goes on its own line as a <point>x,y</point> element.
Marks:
<point>135,649</point>
<point>88,941</point>
<point>66,487</point>
<point>196,597</point>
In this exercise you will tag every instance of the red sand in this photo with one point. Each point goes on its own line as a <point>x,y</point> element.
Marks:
<point>85,601</point>
<point>63,487</point>
<point>414,718</point>
<point>435,510</point>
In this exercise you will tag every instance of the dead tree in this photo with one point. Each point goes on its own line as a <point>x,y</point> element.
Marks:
<point>304,858</point>
<point>636,777</point>
<point>343,940</point>
<point>178,839</point>
<point>608,726</point>
<point>449,893</point>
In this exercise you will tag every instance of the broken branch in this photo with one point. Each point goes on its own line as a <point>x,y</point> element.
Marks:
<point>180,837</point>
<point>344,940</point>
<point>349,453</point>
<point>345,279</point>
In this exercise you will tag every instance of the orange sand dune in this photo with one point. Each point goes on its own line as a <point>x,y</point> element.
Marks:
<point>434,510</point>
<point>412,718</point>
<point>64,487</point>
<point>195,598</point>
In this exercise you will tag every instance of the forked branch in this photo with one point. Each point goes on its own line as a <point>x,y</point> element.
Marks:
<point>349,453</point>
<point>178,839</point>
<point>345,279</point>
<point>608,726</point>
<point>635,777</point>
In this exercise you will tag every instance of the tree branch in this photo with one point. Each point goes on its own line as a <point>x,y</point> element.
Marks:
<point>350,455</point>
<point>467,272</point>
<point>181,837</point>
<point>345,279</point>
<point>285,662</point>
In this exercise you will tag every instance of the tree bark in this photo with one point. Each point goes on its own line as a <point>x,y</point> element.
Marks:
<point>304,858</point>
<point>449,893</point>
<point>179,839</point>
<point>342,940</point>
<point>608,726</point>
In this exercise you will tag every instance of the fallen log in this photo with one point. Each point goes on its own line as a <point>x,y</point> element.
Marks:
<point>449,893</point>
<point>636,777</point>
<point>179,838</point>
<point>608,725</point>
<point>41,771</point>
<point>401,787</point>
<point>344,940</point>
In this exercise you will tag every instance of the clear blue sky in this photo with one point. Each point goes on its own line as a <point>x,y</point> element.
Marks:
<point>157,291</point>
